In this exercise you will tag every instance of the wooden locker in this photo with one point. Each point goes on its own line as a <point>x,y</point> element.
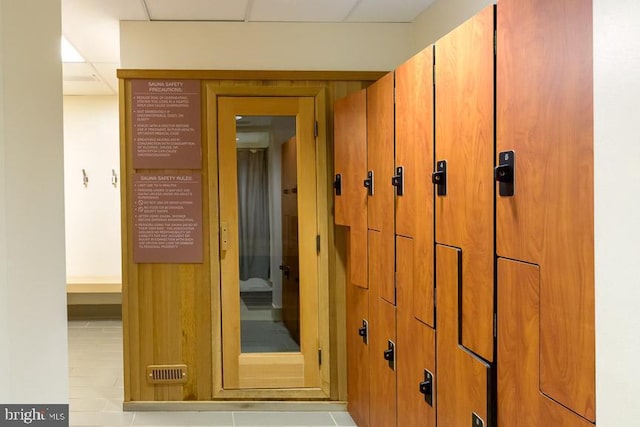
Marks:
<point>416,359</point>
<point>464,380</point>
<point>465,140</point>
<point>545,115</point>
<point>380,155</point>
<point>350,160</point>
<point>521,403</point>
<point>382,333</point>
<point>414,194</point>
<point>358,354</point>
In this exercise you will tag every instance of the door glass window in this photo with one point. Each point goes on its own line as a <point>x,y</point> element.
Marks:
<point>268,233</point>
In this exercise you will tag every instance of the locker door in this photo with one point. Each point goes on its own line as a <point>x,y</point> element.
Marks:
<point>464,380</point>
<point>382,333</point>
<point>358,354</point>
<point>521,402</point>
<point>380,154</point>
<point>465,141</point>
<point>414,193</point>
<point>416,361</point>
<point>350,160</point>
<point>546,117</point>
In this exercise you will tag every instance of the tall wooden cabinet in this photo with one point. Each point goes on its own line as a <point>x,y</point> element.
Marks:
<point>471,288</point>
<point>545,122</point>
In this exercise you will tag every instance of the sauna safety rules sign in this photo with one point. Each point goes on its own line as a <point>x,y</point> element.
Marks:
<point>166,124</point>
<point>167,218</point>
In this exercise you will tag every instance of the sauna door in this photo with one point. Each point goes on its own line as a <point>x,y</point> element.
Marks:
<point>269,341</point>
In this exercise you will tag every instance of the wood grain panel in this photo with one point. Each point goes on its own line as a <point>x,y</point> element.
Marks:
<point>382,328</point>
<point>350,157</point>
<point>416,345</point>
<point>290,257</point>
<point>357,356</point>
<point>381,255</point>
<point>520,402</point>
<point>465,139</point>
<point>414,152</point>
<point>198,292</point>
<point>463,379</point>
<point>157,326</point>
<point>546,116</point>
<point>380,152</point>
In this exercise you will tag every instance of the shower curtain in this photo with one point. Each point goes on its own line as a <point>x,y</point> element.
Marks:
<point>253,213</point>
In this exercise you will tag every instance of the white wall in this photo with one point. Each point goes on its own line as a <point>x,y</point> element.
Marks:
<point>263,46</point>
<point>91,142</point>
<point>33,325</point>
<point>442,17</point>
<point>4,286</point>
<point>617,210</point>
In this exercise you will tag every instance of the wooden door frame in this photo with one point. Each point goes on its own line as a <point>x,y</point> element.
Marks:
<point>210,118</point>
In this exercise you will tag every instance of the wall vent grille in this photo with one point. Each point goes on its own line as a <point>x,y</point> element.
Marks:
<point>167,374</point>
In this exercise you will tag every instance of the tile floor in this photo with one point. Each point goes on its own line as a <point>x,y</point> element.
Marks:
<point>96,390</point>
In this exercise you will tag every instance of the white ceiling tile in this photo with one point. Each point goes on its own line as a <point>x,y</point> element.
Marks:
<point>82,79</point>
<point>107,72</point>
<point>197,10</point>
<point>388,10</point>
<point>300,10</point>
<point>93,26</point>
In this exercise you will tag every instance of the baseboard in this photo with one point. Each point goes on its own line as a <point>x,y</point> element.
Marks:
<point>94,312</point>
<point>237,406</point>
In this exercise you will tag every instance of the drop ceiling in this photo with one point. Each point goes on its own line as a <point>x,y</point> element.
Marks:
<point>92,26</point>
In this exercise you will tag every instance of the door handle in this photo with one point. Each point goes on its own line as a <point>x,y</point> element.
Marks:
<point>364,331</point>
<point>439,177</point>
<point>224,236</point>
<point>389,354</point>
<point>505,173</point>
<point>426,387</point>
<point>398,181</point>
<point>369,183</point>
<point>285,270</point>
<point>337,184</point>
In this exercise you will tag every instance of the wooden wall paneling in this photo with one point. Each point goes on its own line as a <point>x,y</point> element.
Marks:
<point>357,355</point>
<point>416,346</point>
<point>382,329</point>
<point>464,385</point>
<point>520,401</point>
<point>465,139</point>
<point>546,116</point>
<point>380,152</point>
<point>338,259</point>
<point>130,336</point>
<point>414,152</point>
<point>197,303</point>
<point>350,157</point>
<point>380,160</point>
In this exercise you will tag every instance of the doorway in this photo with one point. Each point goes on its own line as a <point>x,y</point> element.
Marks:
<point>269,258</point>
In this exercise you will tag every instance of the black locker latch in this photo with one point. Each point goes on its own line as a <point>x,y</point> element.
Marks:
<point>439,177</point>
<point>364,331</point>
<point>476,421</point>
<point>505,173</point>
<point>389,354</point>
<point>368,183</point>
<point>426,387</point>
<point>337,184</point>
<point>398,181</point>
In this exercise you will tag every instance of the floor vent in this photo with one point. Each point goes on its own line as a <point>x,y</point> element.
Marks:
<point>167,374</point>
